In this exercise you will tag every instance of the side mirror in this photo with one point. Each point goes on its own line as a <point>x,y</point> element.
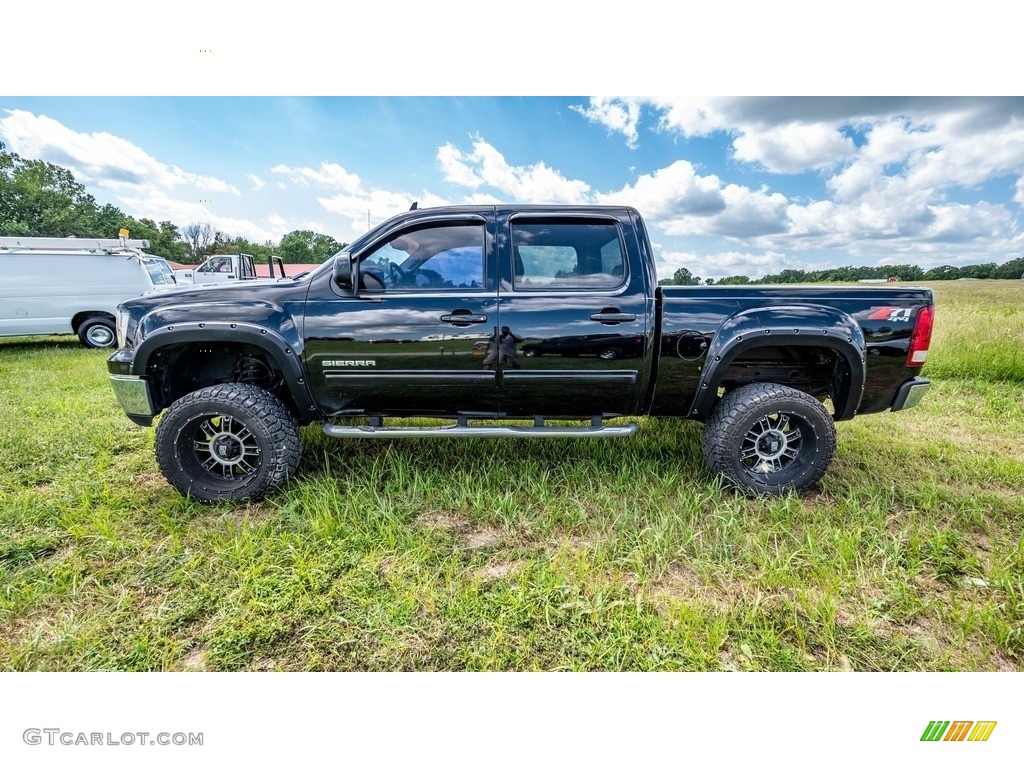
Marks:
<point>346,272</point>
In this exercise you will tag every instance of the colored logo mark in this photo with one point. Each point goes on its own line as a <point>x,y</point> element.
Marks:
<point>958,730</point>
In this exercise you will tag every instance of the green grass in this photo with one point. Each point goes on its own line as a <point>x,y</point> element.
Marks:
<point>510,555</point>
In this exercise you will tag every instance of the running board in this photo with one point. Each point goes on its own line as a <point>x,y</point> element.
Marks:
<point>376,429</point>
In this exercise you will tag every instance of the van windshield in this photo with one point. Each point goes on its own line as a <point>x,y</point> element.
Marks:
<point>159,271</point>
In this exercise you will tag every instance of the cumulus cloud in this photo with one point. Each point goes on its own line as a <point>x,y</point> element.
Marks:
<point>362,207</point>
<point>680,201</point>
<point>330,175</point>
<point>618,115</point>
<point>485,166</point>
<point>366,209</point>
<point>158,205</point>
<point>896,171</point>
<point>257,182</point>
<point>99,159</point>
<point>671,194</point>
<point>795,148</point>
<point>723,263</point>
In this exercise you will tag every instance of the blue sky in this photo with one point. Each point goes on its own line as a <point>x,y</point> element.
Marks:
<point>728,184</point>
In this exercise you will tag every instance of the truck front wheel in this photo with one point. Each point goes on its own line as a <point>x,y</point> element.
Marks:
<point>769,438</point>
<point>228,442</point>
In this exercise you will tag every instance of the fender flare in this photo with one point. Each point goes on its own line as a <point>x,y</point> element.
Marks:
<point>805,326</point>
<point>275,346</point>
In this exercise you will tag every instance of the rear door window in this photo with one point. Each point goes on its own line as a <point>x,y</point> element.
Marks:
<point>567,255</point>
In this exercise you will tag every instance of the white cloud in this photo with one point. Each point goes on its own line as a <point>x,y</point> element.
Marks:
<point>158,205</point>
<point>723,264</point>
<point>618,115</point>
<point>455,169</point>
<point>681,202</point>
<point>257,182</point>
<point>99,159</point>
<point>670,194</point>
<point>692,116</point>
<point>330,175</point>
<point>795,148</point>
<point>486,166</point>
<point>368,209</point>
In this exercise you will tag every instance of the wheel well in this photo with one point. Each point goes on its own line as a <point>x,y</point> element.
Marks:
<point>81,317</point>
<point>819,371</point>
<point>178,369</point>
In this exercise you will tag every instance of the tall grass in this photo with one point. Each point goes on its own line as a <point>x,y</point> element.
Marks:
<point>979,330</point>
<point>563,554</point>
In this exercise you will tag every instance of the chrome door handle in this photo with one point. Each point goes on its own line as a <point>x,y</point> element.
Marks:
<point>463,318</point>
<point>611,318</point>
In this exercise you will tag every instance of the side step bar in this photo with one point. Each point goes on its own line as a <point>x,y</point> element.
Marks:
<point>376,429</point>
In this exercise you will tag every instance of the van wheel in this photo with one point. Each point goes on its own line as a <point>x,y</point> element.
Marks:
<point>769,438</point>
<point>98,332</point>
<point>228,442</point>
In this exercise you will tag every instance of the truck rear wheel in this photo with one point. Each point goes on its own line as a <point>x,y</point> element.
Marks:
<point>228,442</point>
<point>769,438</point>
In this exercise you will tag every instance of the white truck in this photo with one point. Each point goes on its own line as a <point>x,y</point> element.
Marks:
<point>225,267</point>
<point>65,285</point>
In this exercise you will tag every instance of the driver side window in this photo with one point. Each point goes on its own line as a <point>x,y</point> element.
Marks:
<point>430,258</point>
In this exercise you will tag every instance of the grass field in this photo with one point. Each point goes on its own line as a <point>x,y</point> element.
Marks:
<point>510,555</point>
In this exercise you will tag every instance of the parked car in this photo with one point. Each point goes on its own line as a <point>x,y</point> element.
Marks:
<point>768,370</point>
<point>73,285</point>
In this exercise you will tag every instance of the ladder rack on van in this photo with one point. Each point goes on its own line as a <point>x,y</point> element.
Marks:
<point>92,244</point>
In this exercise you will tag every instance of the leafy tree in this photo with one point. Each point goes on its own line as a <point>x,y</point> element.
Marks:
<point>735,280</point>
<point>227,244</point>
<point>303,246</point>
<point>164,238</point>
<point>40,199</point>
<point>682,276</point>
<point>199,238</point>
<point>1010,270</point>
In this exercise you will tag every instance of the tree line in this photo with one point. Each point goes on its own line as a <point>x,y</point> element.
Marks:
<point>40,199</point>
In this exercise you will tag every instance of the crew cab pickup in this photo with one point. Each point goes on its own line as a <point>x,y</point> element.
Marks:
<point>577,331</point>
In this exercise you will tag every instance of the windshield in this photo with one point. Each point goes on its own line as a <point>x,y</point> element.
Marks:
<point>160,271</point>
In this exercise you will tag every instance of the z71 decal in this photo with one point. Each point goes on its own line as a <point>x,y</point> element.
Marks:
<point>892,314</point>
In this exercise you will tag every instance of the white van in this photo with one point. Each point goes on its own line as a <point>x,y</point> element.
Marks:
<point>52,285</point>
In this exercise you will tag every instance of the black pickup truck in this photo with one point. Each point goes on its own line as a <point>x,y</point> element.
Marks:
<point>519,321</point>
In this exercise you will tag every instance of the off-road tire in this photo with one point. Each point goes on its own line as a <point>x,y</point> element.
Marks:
<point>769,439</point>
<point>98,333</point>
<point>228,442</point>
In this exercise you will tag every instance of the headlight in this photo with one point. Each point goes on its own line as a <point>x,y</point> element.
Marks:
<point>123,317</point>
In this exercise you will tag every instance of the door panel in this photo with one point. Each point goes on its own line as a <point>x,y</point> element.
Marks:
<point>414,340</point>
<point>582,317</point>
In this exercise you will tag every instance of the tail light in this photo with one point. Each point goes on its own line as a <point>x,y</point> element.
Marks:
<point>921,337</point>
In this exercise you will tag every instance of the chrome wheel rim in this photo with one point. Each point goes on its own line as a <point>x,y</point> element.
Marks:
<point>223,446</point>
<point>100,336</point>
<point>772,444</point>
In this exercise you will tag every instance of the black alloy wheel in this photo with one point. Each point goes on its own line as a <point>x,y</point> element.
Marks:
<point>228,442</point>
<point>769,438</point>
